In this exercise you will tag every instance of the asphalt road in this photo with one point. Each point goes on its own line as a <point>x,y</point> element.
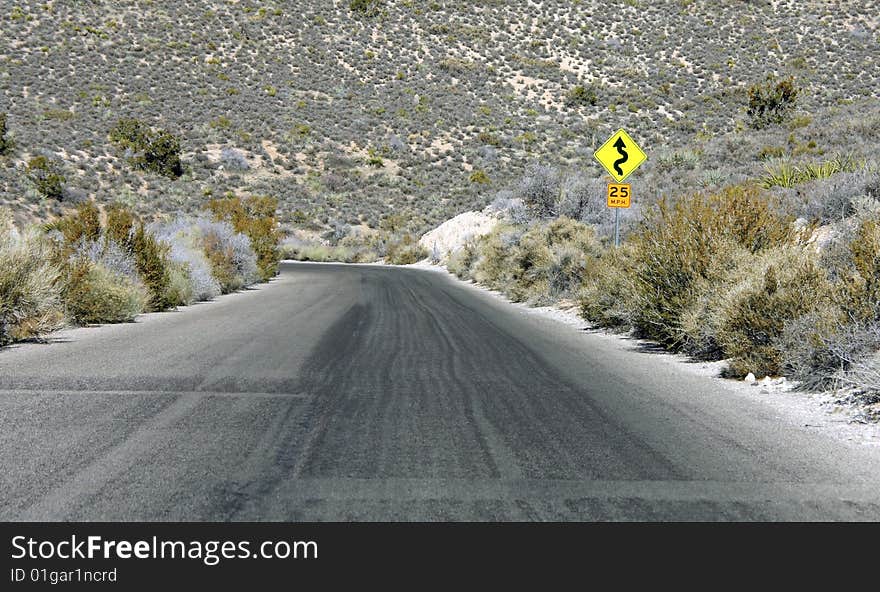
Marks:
<point>368,393</point>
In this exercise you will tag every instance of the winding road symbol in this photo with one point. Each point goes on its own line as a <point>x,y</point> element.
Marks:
<point>620,155</point>
<point>621,148</point>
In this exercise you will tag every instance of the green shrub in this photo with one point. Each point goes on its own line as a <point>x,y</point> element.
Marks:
<point>580,96</point>
<point>83,224</point>
<point>405,251</point>
<point>152,150</point>
<point>153,265</point>
<point>150,256</point>
<point>365,7</point>
<point>30,302</point>
<point>320,253</point>
<point>4,141</point>
<point>124,229</point>
<point>220,256</point>
<point>480,177</point>
<point>771,101</point>
<point>94,294</point>
<point>539,265</point>
<point>46,177</point>
<point>677,248</point>
<point>552,260</point>
<point>253,216</point>
<point>701,320</point>
<point>783,285</point>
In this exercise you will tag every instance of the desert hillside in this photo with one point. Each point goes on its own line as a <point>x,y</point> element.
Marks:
<point>351,112</point>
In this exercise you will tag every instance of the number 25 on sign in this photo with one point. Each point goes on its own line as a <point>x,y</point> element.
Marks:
<point>619,195</point>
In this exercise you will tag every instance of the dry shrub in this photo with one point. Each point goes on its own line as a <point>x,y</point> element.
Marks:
<point>608,298</point>
<point>253,216</point>
<point>405,251</point>
<point>678,250</point>
<point>786,283</point>
<point>94,294</point>
<point>461,261</point>
<point>30,303</point>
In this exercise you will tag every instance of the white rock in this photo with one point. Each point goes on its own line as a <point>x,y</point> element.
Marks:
<point>749,377</point>
<point>452,234</point>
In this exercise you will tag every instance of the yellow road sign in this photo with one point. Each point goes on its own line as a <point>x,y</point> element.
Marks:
<point>620,155</point>
<point>619,195</point>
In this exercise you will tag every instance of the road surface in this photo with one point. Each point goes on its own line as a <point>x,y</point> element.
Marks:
<point>370,393</point>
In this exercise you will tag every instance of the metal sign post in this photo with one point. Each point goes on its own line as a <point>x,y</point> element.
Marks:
<point>616,227</point>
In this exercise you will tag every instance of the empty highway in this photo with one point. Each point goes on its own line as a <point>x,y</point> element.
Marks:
<point>369,393</point>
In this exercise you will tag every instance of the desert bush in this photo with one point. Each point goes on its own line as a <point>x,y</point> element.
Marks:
<point>539,264</point>
<point>253,216</point>
<point>461,261</point>
<point>833,199</point>
<point>553,260</point>
<point>608,298</point>
<point>30,302</point>
<point>152,150</point>
<point>678,245</point>
<point>584,199</point>
<point>405,251</point>
<point>365,7</point>
<point>233,261</point>
<point>82,225</point>
<point>819,348</point>
<point>857,289</point>
<point>700,321</point>
<point>540,191</point>
<point>122,230</point>
<point>110,254</point>
<point>4,142</point>
<point>320,253</point>
<point>771,101</point>
<point>479,176</point>
<point>580,96</point>
<point>184,240</point>
<point>233,159</point>
<point>493,267</point>
<point>46,177</point>
<point>94,294</point>
<point>180,287</point>
<point>784,284</point>
<point>150,256</point>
